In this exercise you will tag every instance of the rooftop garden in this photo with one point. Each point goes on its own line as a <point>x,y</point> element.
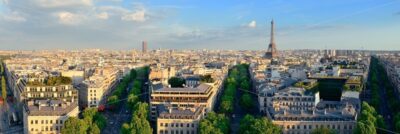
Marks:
<point>52,81</point>
<point>206,79</point>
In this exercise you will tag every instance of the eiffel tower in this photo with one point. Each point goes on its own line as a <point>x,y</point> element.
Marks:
<point>272,52</point>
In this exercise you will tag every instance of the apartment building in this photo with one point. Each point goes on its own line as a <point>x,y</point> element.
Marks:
<point>202,95</point>
<point>297,110</point>
<point>179,120</point>
<point>92,91</point>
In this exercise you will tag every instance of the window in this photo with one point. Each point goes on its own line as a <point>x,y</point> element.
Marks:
<point>172,124</point>
<point>36,121</point>
<point>187,125</point>
<point>56,121</point>
<point>31,129</point>
<point>166,124</point>
<point>47,122</point>
<point>161,124</point>
<point>161,131</point>
<point>305,126</point>
<point>31,121</point>
<point>42,121</point>
<point>51,121</point>
<point>309,127</point>
<point>192,125</point>
<point>181,124</point>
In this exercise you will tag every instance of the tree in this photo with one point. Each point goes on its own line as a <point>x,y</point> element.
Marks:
<point>132,100</point>
<point>214,124</point>
<point>125,129</point>
<point>252,125</point>
<point>245,84</point>
<point>100,121</point>
<point>133,74</point>
<point>245,101</point>
<point>88,115</point>
<point>206,78</point>
<point>139,123</point>
<point>3,88</point>
<point>176,82</point>
<point>94,129</point>
<point>73,125</point>
<point>113,100</point>
<point>323,130</point>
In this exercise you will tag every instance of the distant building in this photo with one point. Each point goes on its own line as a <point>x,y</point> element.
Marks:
<point>144,47</point>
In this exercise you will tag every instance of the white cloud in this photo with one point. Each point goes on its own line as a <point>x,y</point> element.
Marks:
<point>102,15</point>
<point>138,16</point>
<point>252,24</point>
<point>15,17</point>
<point>69,18</point>
<point>63,3</point>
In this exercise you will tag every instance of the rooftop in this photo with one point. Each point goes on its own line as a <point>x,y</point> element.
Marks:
<point>50,107</point>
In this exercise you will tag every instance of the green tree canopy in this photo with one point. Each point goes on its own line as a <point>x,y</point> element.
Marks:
<point>251,125</point>
<point>214,124</point>
<point>73,125</point>
<point>176,82</point>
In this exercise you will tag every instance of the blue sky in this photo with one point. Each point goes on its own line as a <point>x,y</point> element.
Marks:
<point>199,24</point>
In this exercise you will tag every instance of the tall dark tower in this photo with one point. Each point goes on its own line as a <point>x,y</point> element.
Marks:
<point>271,52</point>
<point>144,47</point>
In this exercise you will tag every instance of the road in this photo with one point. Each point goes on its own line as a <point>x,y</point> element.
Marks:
<point>122,114</point>
<point>5,111</point>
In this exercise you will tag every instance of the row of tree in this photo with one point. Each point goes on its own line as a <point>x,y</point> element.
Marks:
<point>139,123</point>
<point>378,72</point>
<point>114,99</point>
<point>246,101</point>
<point>3,82</point>
<point>92,123</point>
<point>238,77</point>
<point>257,125</point>
<point>214,124</point>
<point>369,120</point>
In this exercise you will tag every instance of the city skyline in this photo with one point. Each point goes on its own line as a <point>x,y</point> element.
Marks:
<point>228,25</point>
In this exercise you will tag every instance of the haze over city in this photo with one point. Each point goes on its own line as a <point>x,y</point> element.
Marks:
<point>206,24</point>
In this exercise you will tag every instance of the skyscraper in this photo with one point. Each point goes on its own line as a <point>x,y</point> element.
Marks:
<point>271,52</point>
<point>144,46</point>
